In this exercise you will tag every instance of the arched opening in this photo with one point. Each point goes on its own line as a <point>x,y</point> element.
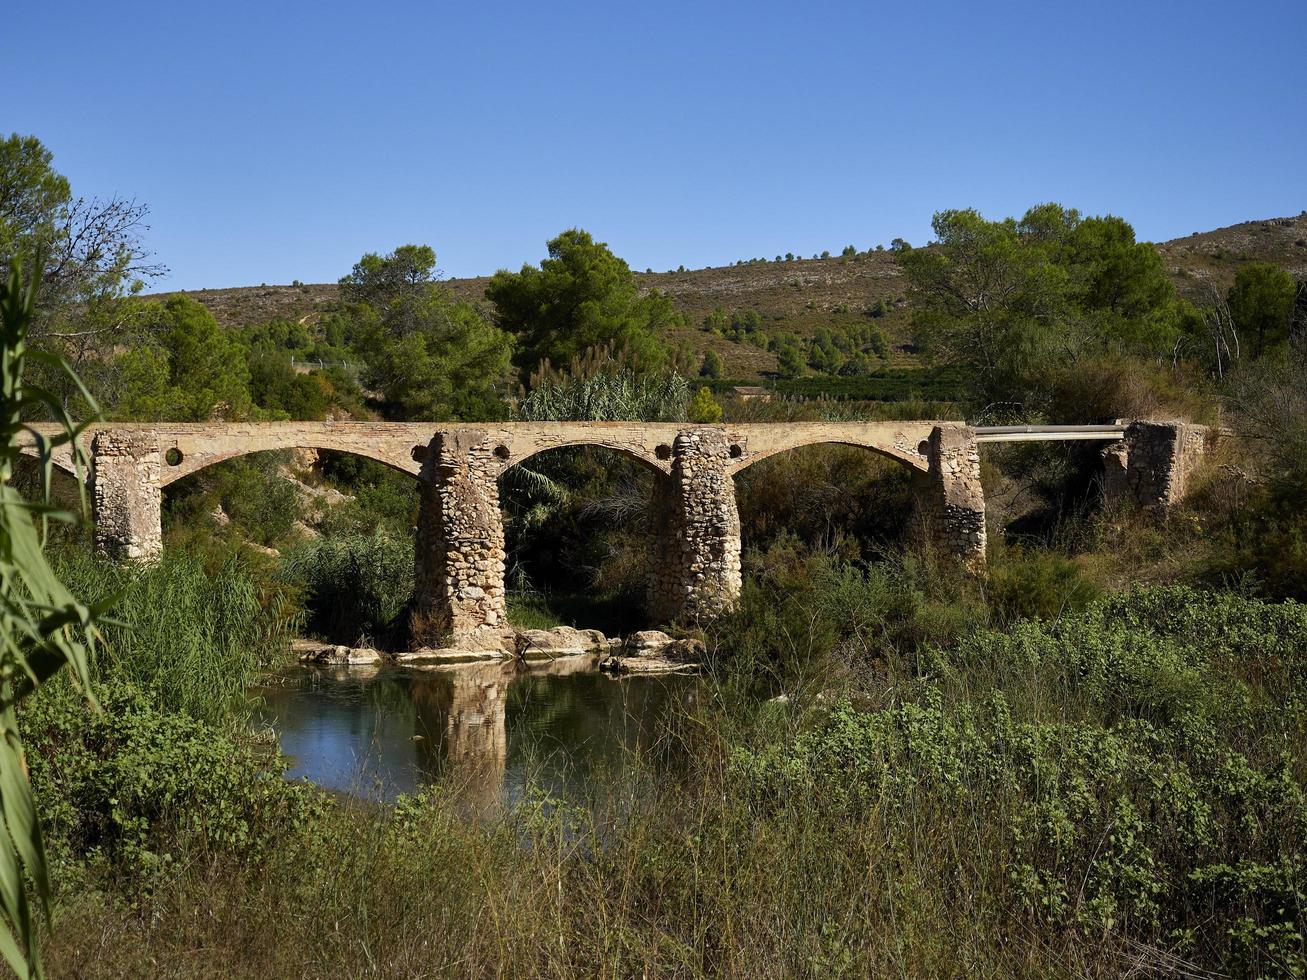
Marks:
<point>851,503</point>
<point>576,526</point>
<point>336,526</point>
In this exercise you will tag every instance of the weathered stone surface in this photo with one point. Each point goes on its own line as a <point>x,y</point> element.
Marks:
<point>459,583</point>
<point>696,548</point>
<point>950,498</point>
<point>509,643</point>
<point>1153,463</point>
<point>191,446</point>
<point>126,494</point>
<point>656,643</point>
<point>460,604</point>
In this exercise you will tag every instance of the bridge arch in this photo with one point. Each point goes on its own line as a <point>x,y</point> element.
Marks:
<point>176,463</point>
<point>913,460</point>
<point>904,442</point>
<point>580,536</point>
<point>653,460</point>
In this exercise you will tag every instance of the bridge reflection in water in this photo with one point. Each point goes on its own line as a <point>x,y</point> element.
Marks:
<point>487,732</point>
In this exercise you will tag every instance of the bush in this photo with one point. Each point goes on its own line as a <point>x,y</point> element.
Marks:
<point>1038,584</point>
<point>704,409</point>
<point>809,621</point>
<point>147,789</point>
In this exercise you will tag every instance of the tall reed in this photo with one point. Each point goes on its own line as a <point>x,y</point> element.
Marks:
<point>192,635</point>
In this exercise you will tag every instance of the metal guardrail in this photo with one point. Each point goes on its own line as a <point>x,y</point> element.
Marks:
<point>1048,433</point>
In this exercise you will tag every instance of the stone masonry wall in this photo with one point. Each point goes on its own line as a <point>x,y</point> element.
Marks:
<point>1154,462</point>
<point>696,546</point>
<point>459,576</point>
<point>125,494</point>
<point>950,499</point>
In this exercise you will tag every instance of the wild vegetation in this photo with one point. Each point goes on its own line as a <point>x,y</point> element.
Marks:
<point>1088,761</point>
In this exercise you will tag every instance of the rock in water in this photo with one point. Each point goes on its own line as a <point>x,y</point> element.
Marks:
<point>654,652</point>
<point>337,654</point>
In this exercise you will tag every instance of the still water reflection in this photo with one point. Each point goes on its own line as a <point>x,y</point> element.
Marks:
<point>491,730</point>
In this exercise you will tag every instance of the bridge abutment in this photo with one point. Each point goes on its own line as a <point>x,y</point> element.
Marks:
<point>126,497</point>
<point>950,499</point>
<point>1153,463</point>
<point>458,592</point>
<point>696,548</point>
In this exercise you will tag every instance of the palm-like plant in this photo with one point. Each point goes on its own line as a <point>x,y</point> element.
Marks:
<point>43,627</point>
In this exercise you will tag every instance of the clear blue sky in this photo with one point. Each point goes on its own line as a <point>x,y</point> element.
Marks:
<point>280,140</point>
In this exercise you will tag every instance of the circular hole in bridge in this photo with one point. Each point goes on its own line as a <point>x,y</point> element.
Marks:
<point>736,451</point>
<point>419,453</point>
<point>663,452</point>
<point>924,447</point>
<point>173,457</point>
<point>502,452</point>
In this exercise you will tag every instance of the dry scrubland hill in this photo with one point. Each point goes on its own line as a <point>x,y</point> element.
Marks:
<point>806,294</point>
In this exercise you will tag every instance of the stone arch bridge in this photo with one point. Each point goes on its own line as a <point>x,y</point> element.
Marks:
<point>459,588</point>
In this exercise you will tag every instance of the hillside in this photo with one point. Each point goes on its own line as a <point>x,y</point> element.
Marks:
<point>802,295</point>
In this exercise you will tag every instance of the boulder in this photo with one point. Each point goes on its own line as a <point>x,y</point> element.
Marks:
<point>561,641</point>
<point>618,664</point>
<point>654,652</point>
<point>340,655</point>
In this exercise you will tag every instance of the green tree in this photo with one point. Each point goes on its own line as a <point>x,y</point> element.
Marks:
<point>716,321</point>
<point>398,285</point>
<point>453,364</point>
<point>712,365</point>
<point>985,300</point>
<point>429,356</point>
<point>92,261</point>
<point>704,409</point>
<point>580,298</point>
<point>789,361</point>
<point>32,197</point>
<point>1261,305</point>
<point>1017,302</point>
<point>183,366</point>
<point>91,249</point>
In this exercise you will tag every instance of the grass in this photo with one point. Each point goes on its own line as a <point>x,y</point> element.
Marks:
<point>531,612</point>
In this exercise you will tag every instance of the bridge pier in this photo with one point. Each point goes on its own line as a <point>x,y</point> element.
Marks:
<point>1153,462</point>
<point>126,497</point>
<point>696,547</point>
<point>950,499</point>
<point>458,593</point>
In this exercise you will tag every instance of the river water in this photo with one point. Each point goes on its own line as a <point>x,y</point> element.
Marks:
<point>490,731</point>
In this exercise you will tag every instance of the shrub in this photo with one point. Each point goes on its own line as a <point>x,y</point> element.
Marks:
<point>144,787</point>
<point>1038,584</point>
<point>1128,770</point>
